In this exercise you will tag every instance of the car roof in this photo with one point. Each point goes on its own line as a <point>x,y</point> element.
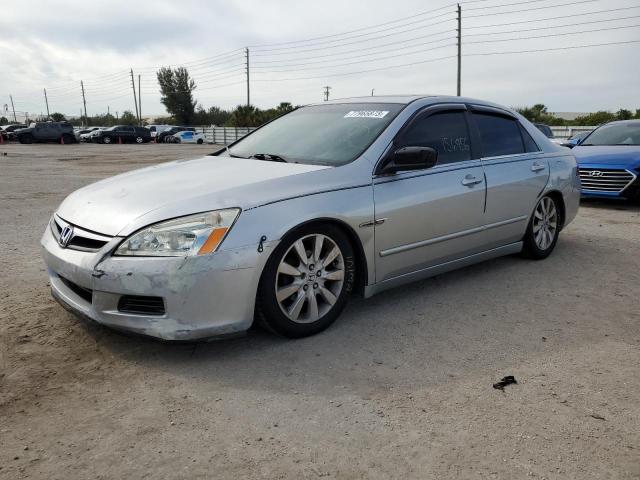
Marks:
<point>624,122</point>
<point>407,99</point>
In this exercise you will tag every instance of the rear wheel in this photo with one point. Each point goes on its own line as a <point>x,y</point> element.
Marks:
<point>544,228</point>
<point>307,281</point>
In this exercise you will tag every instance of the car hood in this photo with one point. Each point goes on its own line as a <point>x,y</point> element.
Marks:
<point>122,204</point>
<point>619,155</point>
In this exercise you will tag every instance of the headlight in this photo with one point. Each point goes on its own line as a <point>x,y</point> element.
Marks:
<point>185,236</point>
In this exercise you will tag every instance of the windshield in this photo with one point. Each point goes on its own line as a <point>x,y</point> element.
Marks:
<point>320,134</point>
<point>615,134</point>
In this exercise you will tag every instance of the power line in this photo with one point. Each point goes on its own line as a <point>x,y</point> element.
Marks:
<point>551,27</point>
<point>260,51</point>
<point>398,20</point>
<point>363,55</point>
<point>449,32</point>
<point>355,73</point>
<point>551,18</point>
<point>504,5</point>
<point>552,35</point>
<point>551,49</point>
<point>530,9</point>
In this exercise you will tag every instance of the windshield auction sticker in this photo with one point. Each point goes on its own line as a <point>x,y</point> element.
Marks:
<point>366,114</point>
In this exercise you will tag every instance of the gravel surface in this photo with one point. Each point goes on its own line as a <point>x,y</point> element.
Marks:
<point>400,387</point>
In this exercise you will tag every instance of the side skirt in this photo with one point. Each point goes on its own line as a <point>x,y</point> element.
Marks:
<point>371,290</point>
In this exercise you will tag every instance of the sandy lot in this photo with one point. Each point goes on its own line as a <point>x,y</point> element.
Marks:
<point>400,387</point>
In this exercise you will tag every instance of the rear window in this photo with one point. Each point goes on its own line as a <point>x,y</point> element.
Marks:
<point>500,135</point>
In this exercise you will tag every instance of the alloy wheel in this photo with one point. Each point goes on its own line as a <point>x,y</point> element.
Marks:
<point>310,278</point>
<point>545,223</point>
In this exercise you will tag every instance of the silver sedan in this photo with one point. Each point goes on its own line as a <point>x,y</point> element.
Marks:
<point>356,195</point>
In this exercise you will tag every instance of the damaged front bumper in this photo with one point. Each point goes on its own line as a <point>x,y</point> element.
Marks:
<point>201,296</point>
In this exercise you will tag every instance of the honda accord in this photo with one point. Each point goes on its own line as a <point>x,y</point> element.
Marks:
<point>356,195</point>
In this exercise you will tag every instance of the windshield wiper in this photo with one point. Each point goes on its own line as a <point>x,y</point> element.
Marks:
<point>269,156</point>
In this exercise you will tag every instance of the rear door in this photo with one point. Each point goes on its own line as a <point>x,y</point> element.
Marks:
<point>424,218</point>
<point>516,173</point>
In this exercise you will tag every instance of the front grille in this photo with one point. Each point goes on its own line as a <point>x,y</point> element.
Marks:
<point>83,240</point>
<point>84,293</point>
<point>605,179</point>
<point>141,305</point>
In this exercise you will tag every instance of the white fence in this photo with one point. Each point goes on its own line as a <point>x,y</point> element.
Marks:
<point>227,135</point>
<point>224,135</point>
<point>566,132</point>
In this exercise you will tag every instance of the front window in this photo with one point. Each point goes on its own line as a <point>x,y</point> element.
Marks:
<point>615,134</point>
<point>321,134</point>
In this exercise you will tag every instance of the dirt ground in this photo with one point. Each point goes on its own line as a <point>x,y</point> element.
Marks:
<point>400,387</point>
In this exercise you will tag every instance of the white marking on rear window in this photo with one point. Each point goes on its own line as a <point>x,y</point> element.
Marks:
<point>367,114</point>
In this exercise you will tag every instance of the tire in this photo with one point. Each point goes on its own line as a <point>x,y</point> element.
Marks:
<point>200,142</point>
<point>106,140</point>
<point>543,230</point>
<point>177,140</point>
<point>68,139</point>
<point>139,140</point>
<point>295,301</point>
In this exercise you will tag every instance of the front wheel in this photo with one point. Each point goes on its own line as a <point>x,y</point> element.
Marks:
<point>139,139</point>
<point>106,140</point>
<point>200,141</point>
<point>307,281</point>
<point>544,228</point>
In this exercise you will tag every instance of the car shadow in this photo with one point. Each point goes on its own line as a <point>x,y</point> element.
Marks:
<point>610,204</point>
<point>442,327</point>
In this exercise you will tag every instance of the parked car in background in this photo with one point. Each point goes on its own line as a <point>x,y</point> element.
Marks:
<point>83,131</point>
<point>360,194</point>
<point>546,129</point>
<point>87,137</point>
<point>156,129</point>
<point>187,137</point>
<point>574,140</point>
<point>162,136</point>
<point>47,132</point>
<point>8,131</point>
<point>609,161</point>
<point>122,133</point>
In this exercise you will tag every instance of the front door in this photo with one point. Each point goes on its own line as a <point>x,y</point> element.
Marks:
<point>424,218</point>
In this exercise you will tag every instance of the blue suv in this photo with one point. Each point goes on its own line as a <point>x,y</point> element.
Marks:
<point>609,161</point>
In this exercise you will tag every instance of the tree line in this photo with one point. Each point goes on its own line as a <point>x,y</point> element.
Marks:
<point>539,114</point>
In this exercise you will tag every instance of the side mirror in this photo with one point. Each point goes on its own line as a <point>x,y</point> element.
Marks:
<point>409,158</point>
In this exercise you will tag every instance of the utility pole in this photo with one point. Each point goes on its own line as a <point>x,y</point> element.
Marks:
<point>372,90</point>
<point>459,50</point>
<point>14,109</point>
<point>246,52</point>
<point>135,98</point>
<point>326,93</point>
<point>46,100</point>
<point>84,101</point>
<point>139,102</point>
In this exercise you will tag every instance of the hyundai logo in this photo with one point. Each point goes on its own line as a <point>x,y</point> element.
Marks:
<point>65,236</point>
<point>596,173</point>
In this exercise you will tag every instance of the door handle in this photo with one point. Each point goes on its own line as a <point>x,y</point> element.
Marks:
<point>470,181</point>
<point>537,167</point>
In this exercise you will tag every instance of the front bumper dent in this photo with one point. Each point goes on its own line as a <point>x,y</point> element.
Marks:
<point>204,296</point>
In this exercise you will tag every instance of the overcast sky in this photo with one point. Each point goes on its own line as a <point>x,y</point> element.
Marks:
<point>55,44</point>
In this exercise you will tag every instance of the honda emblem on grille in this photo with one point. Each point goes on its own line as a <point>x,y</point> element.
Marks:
<point>596,173</point>
<point>65,236</point>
